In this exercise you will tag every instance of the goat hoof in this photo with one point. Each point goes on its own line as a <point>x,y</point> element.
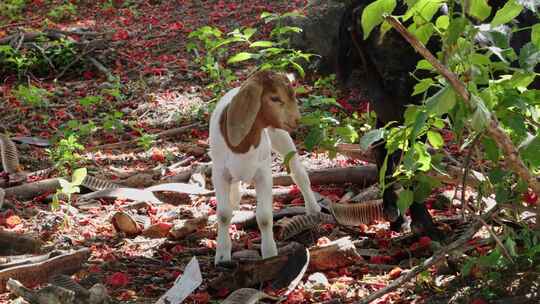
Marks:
<point>397,225</point>
<point>391,214</point>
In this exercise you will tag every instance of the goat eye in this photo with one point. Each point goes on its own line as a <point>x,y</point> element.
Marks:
<point>276,99</point>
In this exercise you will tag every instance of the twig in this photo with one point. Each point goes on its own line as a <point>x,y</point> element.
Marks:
<point>101,68</point>
<point>465,173</point>
<point>493,128</point>
<point>497,239</point>
<point>430,261</point>
<point>79,57</point>
<point>164,134</point>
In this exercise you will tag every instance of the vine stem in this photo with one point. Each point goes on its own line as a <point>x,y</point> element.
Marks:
<point>492,128</point>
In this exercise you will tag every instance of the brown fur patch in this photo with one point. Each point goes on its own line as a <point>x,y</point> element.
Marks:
<point>271,83</point>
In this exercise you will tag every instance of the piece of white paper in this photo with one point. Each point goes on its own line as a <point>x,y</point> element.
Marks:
<point>184,284</point>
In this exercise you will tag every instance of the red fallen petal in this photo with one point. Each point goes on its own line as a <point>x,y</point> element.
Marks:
<point>120,35</point>
<point>176,26</point>
<point>222,292</point>
<point>200,297</point>
<point>530,198</point>
<point>88,75</point>
<point>424,241</point>
<point>479,301</point>
<point>118,279</point>
<point>12,221</point>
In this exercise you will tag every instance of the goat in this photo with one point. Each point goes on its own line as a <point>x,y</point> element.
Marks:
<point>247,123</point>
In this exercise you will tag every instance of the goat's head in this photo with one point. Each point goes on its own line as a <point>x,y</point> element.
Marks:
<point>266,99</point>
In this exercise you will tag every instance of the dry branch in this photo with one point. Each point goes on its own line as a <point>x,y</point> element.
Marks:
<point>405,277</point>
<point>39,273</point>
<point>15,243</point>
<point>31,190</point>
<point>492,128</point>
<point>161,135</point>
<point>363,175</point>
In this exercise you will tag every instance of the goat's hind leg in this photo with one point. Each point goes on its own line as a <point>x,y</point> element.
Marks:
<point>222,185</point>
<point>283,144</point>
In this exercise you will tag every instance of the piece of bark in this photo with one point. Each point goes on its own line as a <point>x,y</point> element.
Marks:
<point>156,231</point>
<point>354,151</point>
<point>47,295</point>
<point>12,261</point>
<point>363,175</point>
<point>334,255</point>
<point>12,243</point>
<point>186,227</point>
<point>368,194</point>
<point>251,273</point>
<point>31,190</point>
<point>38,273</point>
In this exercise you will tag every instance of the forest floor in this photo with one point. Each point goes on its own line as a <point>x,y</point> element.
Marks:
<point>161,88</point>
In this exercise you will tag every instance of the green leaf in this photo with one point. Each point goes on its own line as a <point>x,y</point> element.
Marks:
<point>90,100</point>
<point>348,133</point>
<point>373,14</point>
<point>529,56</point>
<point>479,9</point>
<point>419,124</point>
<point>535,35</point>
<point>442,102</point>
<point>456,28</point>
<point>423,158</point>
<point>287,159</point>
<point>442,22</point>
<point>435,139</point>
<point>78,176</point>
<point>531,152</point>
<point>262,43</point>
<point>314,137</point>
<point>481,114</point>
<point>422,86</point>
<point>242,56</point>
<point>491,149</point>
<point>370,137</point>
<point>298,68</point>
<point>405,200</point>
<point>507,13</point>
<point>424,8</point>
<point>424,65</point>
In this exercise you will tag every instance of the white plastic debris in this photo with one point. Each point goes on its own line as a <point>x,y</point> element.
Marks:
<point>184,285</point>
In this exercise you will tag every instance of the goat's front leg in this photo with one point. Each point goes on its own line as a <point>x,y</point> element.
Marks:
<point>222,185</point>
<point>283,144</point>
<point>265,220</point>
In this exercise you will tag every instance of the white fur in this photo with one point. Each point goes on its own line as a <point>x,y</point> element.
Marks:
<point>229,169</point>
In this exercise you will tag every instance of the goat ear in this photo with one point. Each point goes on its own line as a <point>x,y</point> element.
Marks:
<point>243,111</point>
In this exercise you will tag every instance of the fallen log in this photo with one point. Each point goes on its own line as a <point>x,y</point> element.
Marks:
<point>31,190</point>
<point>12,243</point>
<point>363,175</point>
<point>42,272</point>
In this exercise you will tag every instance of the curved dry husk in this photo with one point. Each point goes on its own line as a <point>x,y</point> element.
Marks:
<point>247,296</point>
<point>359,213</point>
<point>290,227</point>
<point>9,155</point>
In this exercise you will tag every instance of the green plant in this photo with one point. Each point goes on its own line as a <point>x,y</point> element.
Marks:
<point>275,53</point>
<point>326,128</point>
<point>69,188</point>
<point>65,153</point>
<point>146,141</point>
<point>12,9</point>
<point>32,95</point>
<point>207,43</point>
<point>494,86</point>
<point>64,11</point>
<point>45,55</point>
<point>113,121</point>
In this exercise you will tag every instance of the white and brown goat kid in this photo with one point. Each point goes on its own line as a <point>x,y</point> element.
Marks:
<point>246,125</point>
